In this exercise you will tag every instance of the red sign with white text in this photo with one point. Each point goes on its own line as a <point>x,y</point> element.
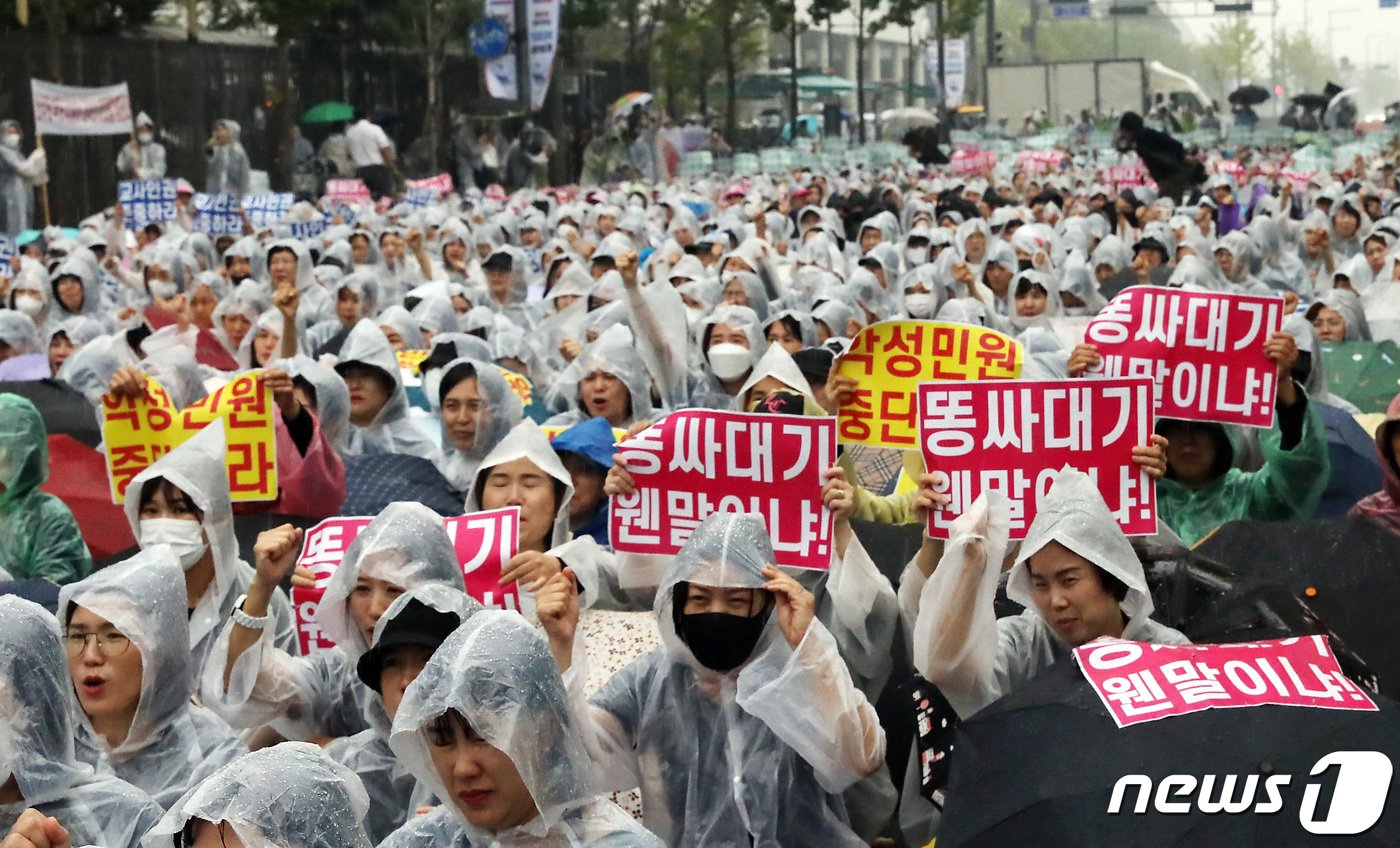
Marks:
<point>1141,682</point>
<point>485,541</point>
<point>1015,435</point>
<point>1203,350</point>
<point>700,461</point>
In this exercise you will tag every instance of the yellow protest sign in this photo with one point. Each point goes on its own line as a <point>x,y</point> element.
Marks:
<point>409,360</point>
<point>890,359</point>
<point>137,432</point>
<point>519,384</point>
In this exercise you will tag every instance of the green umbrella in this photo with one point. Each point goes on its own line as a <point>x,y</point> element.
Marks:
<point>328,113</point>
<point>1365,373</point>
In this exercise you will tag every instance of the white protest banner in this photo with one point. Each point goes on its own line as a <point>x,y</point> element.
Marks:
<point>1015,435</point>
<point>147,202</point>
<point>217,214</point>
<point>266,210</point>
<point>697,462</point>
<point>484,542</point>
<point>1203,350</point>
<point>351,191</point>
<point>67,110</point>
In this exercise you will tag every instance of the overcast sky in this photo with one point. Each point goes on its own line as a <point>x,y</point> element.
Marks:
<point>1357,29</point>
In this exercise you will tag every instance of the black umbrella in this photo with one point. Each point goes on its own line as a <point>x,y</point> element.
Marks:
<point>1344,569</point>
<point>1249,95</point>
<point>1312,101</point>
<point>63,408</point>
<point>1039,767</point>
<point>373,481</point>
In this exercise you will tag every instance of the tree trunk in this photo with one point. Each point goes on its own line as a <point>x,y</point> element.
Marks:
<point>792,93</point>
<point>280,123</point>
<point>731,81</point>
<point>860,69</point>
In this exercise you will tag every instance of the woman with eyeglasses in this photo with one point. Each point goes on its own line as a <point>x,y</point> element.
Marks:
<point>288,796</point>
<point>128,655</point>
<point>47,794</point>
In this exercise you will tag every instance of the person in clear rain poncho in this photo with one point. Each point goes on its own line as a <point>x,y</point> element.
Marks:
<point>261,683</point>
<point>744,726</point>
<point>487,727</point>
<point>612,382</point>
<point>38,535</point>
<point>38,769</point>
<point>287,796</point>
<point>128,653</point>
<point>378,402</point>
<point>1075,573</point>
<point>478,408</point>
<point>182,500</point>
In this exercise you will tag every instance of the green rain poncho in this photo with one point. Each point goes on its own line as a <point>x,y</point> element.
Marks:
<point>38,535</point>
<point>1287,488</point>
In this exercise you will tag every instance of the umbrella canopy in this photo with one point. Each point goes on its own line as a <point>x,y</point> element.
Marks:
<point>62,407</point>
<point>330,112</point>
<point>1354,469</point>
<point>824,83</point>
<point>908,116</point>
<point>1249,95</point>
<point>626,102</point>
<point>373,481</point>
<point>1342,568</point>
<point>1312,101</point>
<point>1365,373</point>
<point>1039,767</point>
<point>78,477</point>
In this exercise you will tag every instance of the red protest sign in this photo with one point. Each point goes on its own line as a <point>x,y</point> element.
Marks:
<point>1141,682</point>
<point>700,461</point>
<point>347,191</point>
<point>1014,435</point>
<point>484,542</point>
<point>1203,350</point>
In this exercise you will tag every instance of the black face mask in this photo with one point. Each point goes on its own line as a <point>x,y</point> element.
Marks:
<point>720,641</point>
<point>1025,265</point>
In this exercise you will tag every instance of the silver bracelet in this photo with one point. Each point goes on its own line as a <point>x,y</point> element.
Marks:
<point>243,619</point>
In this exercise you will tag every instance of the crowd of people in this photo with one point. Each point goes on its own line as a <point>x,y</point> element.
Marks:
<point>745,714</point>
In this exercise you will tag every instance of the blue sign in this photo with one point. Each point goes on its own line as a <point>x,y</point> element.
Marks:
<point>490,38</point>
<point>217,214</point>
<point>1390,4</point>
<point>1080,10</point>
<point>146,202</point>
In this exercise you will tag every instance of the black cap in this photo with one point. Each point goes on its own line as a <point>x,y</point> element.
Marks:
<point>814,363</point>
<point>499,259</point>
<point>784,402</point>
<point>416,624</point>
<point>1150,243</point>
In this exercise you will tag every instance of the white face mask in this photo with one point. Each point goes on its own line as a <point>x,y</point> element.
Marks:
<point>29,304</point>
<point>163,289</point>
<point>186,538</point>
<point>729,361</point>
<point>10,141</point>
<point>915,256</point>
<point>1076,311</point>
<point>145,137</point>
<point>920,304</point>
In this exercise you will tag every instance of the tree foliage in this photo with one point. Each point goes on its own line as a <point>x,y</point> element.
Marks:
<point>1230,56</point>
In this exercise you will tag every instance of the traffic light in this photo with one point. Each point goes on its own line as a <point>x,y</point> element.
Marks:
<point>999,48</point>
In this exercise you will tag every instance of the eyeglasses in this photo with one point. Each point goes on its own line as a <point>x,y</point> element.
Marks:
<point>111,644</point>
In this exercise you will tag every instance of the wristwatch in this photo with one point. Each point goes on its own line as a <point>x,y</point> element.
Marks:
<point>243,619</point>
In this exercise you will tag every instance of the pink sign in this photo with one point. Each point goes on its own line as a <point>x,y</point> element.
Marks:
<point>1204,351</point>
<point>967,162</point>
<point>1014,435</point>
<point>349,191</point>
<point>699,461</point>
<point>1141,682</point>
<point>441,184</point>
<point>1125,175</point>
<point>1039,161</point>
<point>485,541</point>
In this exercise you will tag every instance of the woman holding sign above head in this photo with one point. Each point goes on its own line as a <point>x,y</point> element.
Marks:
<point>129,658</point>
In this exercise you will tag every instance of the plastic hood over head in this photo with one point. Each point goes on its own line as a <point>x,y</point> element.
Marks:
<point>287,795</point>
<point>501,410</point>
<point>778,364</point>
<point>497,672</point>
<point>332,395</point>
<point>406,545</point>
<point>18,332</point>
<point>24,449</point>
<point>1074,514</point>
<point>144,598</point>
<point>527,440</point>
<point>36,704</point>
<point>305,277</point>
<point>365,343</point>
<point>615,352</point>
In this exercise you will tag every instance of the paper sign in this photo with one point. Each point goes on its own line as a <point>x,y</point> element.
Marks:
<point>146,202</point>
<point>520,384</point>
<point>217,214</point>
<point>347,191</point>
<point>304,230</point>
<point>484,542</point>
<point>7,252</point>
<point>266,210</point>
<point>1014,435</point>
<point>1141,682</point>
<point>69,110</point>
<point>423,192</point>
<point>1203,350</point>
<point>697,462</point>
<point>138,432</point>
<point>891,358</point>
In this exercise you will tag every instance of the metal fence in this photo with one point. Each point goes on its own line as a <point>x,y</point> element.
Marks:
<point>185,86</point>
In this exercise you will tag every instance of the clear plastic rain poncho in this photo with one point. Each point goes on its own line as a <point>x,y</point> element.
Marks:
<point>757,756</point>
<point>197,468</point>
<point>391,787</point>
<point>500,411</point>
<point>332,398</point>
<point>39,538</point>
<point>316,303</point>
<point>615,353</point>
<point>497,672</point>
<point>320,695</point>
<point>287,795</point>
<point>85,271</point>
<point>977,658</point>
<point>36,739</point>
<point>527,440</point>
<point>172,744</point>
<point>391,431</point>
<point>18,333</point>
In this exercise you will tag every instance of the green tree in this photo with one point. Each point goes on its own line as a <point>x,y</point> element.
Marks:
<point>1231,54</point>
<point>1302,65</point>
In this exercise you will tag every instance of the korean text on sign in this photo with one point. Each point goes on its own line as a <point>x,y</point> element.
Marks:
<point>484,542</point>
<point>891,358</point>
<point>146,202</point>
<point>697,462</point>
<point>266,210</point>
<point>347,191</point>
<point>1203,351</point>
<point>1140,682</point>
<point>140,431</point>
<point>217,214</point>
<point>1015,435</point>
